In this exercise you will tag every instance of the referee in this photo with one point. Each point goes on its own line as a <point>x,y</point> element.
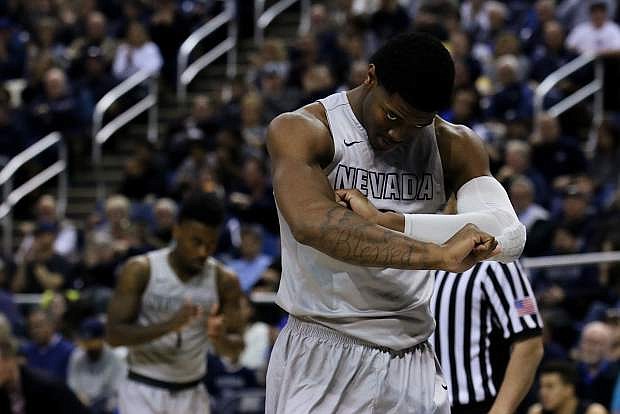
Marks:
<point>488,336</point>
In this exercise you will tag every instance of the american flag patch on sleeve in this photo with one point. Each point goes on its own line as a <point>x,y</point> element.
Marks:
<point>525,306</point>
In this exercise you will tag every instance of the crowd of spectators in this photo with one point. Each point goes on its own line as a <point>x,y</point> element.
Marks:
<point>68,53</point>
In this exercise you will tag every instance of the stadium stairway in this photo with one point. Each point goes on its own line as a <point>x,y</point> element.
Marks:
<point>82,195</point>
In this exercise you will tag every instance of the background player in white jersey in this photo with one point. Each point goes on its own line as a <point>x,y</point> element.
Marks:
<point>356,340</point>
<point>165,307</point>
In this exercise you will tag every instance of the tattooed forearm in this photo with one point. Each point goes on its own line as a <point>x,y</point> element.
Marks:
<point>345,236</point>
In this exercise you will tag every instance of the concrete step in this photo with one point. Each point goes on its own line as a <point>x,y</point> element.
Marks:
<point>287,33</point>
<point>79,211</point>
<point>87,178</point>
<point>206,85</point>
<point>81,192</point>
<point>288,18</point>
<point>125,147</point>
<point>113,161</point>
<point>139,133</point>
<point>170,112</point>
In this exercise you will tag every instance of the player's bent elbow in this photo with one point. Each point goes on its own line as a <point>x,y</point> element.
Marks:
<point>539,350</point>
<point>302,232</point>
<point>533,348</point>
<point>512,242</point>
<point>303,227</point>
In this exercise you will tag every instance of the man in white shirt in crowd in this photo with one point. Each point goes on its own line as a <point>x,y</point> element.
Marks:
<point>95,371</point>
<point>599,35</point>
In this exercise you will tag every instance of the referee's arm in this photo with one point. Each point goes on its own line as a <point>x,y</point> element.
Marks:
<point>525,356</point>
<point>523,329</point>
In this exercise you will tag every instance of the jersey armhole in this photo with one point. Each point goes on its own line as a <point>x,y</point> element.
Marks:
<point>337,148</point>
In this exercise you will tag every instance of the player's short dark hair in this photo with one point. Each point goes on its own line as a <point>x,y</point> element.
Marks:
<point>565,369</point>
<point>417,67</point>
<point>598,5</point>
<point>205,208</point>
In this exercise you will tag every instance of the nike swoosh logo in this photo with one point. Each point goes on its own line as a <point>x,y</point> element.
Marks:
<point>348,144</point>
<point>445,387</point>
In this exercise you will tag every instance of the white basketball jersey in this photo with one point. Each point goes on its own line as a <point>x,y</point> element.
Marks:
<point>174,357</point>
<point>383,306</point>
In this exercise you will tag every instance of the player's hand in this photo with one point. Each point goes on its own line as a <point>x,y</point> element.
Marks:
<point>187,313</point>
<point>215,323</point>
<point>467,247</point>
<point>354,200</point>
<point>40,272</point>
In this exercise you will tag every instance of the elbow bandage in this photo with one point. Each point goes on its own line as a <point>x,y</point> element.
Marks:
<point>481,201</point>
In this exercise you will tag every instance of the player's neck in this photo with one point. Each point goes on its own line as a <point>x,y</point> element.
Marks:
<point>181,272</point>
<point>356,98</point>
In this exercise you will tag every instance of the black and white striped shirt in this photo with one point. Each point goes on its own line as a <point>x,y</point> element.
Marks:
<point>479,313</point>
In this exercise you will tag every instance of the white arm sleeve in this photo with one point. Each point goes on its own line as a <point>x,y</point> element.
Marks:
<point>481,201</point>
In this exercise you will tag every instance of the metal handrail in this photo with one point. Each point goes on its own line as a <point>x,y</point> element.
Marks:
<point>101,133</point>
<point>12,196</point>
<point>23,157</point>
<point>570,260</point>
<point>265,17</point>
<point>185,72</point>
<point>32,184</point>
<point>593,88</point>
<point>528,263</point>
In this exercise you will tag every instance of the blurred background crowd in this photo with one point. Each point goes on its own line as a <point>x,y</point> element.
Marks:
<point>66,54</point>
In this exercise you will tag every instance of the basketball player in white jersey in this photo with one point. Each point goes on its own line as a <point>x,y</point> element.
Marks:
<point>358,293</point>
<point>166,306</point>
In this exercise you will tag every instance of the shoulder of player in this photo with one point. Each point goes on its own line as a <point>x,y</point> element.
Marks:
<point>136,271</point>
<point>308,119</point>
<point>226,277</point>
<point>462,153</point>
<point>456,140</point>
<point>138,264</point>
<point>307,126</point>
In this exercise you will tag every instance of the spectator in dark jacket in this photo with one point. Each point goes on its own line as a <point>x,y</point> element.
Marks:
<point>555,155</point>
<point>252,200</point>
<point>551,54</point>
<point>12,138</point>
<point>12,52</point>
<point>513,100</point>
<point>597,374</point>
<point>42,268</point>
<point>57,108</point>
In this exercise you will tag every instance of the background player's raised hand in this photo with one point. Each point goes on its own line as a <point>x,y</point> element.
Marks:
<point>215,323</point>
<point>467,247</point>
<point>186,314</point>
